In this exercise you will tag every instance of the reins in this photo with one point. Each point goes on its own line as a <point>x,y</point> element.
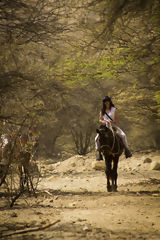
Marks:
<point>113,133</point>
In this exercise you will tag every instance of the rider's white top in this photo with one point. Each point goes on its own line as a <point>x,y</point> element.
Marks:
<point>111,114</point>
<point>118,130</point>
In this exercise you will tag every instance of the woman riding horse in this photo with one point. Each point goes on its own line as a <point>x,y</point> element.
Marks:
<point>110,141</point>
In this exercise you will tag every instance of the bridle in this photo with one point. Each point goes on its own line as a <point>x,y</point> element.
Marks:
<point>110,149</point>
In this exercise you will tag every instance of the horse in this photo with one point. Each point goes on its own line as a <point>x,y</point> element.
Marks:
<point>17,154</point>
<point>111,146</point>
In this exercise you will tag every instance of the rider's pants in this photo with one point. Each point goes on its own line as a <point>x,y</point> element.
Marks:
<point>119,132</point>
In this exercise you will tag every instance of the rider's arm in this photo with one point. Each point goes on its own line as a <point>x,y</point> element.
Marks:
<point>101,120</point>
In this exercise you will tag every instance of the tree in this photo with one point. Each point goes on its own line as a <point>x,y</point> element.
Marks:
<point>128,37</point>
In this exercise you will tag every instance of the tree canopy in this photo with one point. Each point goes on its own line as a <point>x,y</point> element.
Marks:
<point>59,58</point>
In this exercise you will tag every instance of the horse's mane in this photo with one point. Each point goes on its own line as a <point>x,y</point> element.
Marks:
<point>109,140</point>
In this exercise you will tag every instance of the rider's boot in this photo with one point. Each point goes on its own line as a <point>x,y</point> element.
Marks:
<point>99,156</point>
<point>128,153</point>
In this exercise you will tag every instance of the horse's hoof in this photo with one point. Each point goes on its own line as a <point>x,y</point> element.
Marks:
<point>109,189</point>
<point>114,189</point>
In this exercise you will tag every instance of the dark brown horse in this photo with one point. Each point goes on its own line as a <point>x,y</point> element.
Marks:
<point>111,147</point>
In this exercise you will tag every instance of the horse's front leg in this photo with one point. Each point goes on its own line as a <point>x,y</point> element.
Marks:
<point>108,172</point>
<point>115,174</point>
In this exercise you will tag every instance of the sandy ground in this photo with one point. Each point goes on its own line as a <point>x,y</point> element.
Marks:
<point>74,194</point>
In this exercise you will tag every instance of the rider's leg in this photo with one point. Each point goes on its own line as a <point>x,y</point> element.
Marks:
<point>99,156</point>
<point>124,139</point>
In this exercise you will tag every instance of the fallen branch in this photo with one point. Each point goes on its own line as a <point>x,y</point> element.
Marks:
<point>31,230</point>
<point>48,192</point>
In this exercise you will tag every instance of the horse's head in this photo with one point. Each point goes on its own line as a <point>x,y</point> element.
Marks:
<point>105,136</point>
<point>104,132</point>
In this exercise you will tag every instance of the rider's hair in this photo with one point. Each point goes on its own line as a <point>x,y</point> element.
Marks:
<point>106,99</point>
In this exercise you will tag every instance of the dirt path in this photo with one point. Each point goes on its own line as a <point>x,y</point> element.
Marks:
<point>75,193</point>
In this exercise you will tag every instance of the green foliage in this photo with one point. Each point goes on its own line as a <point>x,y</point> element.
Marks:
<point>81,71</point>
<point>48,65</point>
